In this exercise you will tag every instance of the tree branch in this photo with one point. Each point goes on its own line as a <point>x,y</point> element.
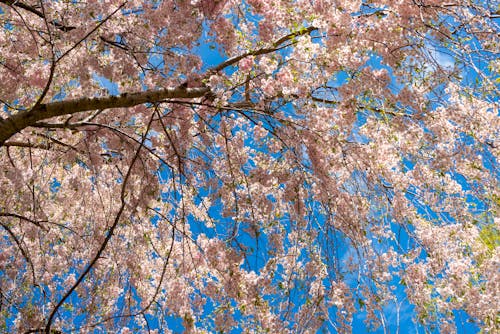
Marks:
<point>14,143</point>
<point>38,13</point>
<point>15,215</point>
<point>23,252</point>
<point>275,46</point>
<point>23,119</point>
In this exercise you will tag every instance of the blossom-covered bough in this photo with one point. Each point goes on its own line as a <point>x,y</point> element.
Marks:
<point>340,158</point>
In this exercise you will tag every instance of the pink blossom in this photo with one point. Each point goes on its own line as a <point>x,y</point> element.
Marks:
<point>266,166</point>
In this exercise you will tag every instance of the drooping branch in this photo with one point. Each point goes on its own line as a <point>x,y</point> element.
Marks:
<point>110,233</point>
<point>20,247</point>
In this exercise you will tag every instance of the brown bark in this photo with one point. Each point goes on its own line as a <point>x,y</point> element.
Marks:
<point>23,119</point>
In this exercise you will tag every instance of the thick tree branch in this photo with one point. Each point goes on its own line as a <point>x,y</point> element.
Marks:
<point>23,119</point>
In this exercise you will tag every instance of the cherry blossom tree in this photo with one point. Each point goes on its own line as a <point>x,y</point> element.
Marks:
<point>274,166</point>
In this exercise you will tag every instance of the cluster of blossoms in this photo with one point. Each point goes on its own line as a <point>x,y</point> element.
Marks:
<point>329,159</point>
